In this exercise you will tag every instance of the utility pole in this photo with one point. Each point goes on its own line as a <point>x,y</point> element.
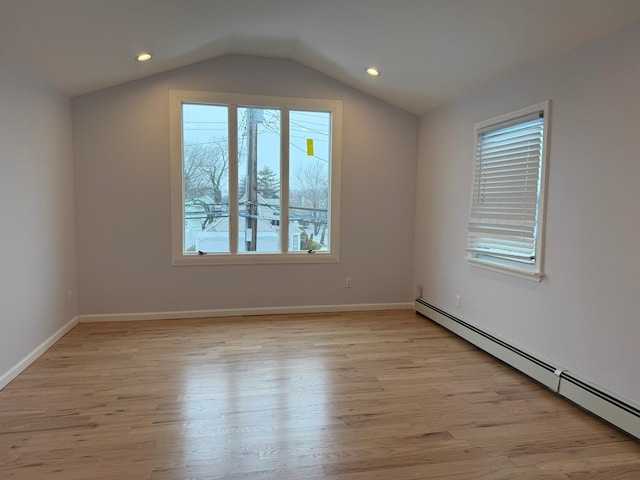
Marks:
<point>251,235</point>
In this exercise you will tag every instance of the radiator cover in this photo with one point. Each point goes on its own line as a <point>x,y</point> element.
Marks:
<point>606,405</point>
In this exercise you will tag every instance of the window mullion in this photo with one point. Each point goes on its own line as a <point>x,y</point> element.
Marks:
<point>284,180</point>
<point>233,179</point>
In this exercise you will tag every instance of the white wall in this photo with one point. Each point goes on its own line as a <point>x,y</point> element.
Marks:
<point>121,147</point>
<point>584,315</point>
<point>37,234</point>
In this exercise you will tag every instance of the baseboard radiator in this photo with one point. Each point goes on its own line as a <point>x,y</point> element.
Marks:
<point>592,398</point>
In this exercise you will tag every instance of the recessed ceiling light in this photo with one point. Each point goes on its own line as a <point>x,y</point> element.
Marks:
<point>373,71</point>
<point>143,57</point>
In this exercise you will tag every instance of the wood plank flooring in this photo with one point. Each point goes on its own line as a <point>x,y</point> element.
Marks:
<point>353,396</point>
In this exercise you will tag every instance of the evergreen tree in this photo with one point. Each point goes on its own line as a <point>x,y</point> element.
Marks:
<point>268,183</point>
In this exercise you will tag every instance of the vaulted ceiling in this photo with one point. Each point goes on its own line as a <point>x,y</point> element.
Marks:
<point>429,51</point>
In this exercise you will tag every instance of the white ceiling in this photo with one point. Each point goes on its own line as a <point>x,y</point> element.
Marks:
<point>429,51</point>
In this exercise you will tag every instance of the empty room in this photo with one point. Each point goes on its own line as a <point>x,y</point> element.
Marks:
<point>337,240</point>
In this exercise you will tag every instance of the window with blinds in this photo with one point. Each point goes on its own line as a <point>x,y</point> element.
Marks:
<point>505,222</point>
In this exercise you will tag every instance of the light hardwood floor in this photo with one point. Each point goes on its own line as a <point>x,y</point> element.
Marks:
<point>353,396</point>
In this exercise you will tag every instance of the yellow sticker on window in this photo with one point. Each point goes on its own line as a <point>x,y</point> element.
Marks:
<point>310,147</point>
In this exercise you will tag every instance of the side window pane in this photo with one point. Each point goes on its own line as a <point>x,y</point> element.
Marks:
<point>309,170</point>
<point>259,180</point>
<point>205,176</point>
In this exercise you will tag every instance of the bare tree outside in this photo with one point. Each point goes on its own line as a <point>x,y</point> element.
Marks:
<point>206,171</point>
<point>311,186</point>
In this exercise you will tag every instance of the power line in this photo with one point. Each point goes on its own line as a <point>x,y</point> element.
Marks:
<point>303,150</point>
<point>308,129</point>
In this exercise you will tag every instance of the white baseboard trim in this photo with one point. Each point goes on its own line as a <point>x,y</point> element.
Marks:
<point>39,350</point>
<point>616,410</point>
<point>241,312</point>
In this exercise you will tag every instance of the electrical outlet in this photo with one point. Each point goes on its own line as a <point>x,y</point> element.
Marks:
<point>69,295</point>
<point>347,282</point>
<point>458,300</point>
<point>419,291</point>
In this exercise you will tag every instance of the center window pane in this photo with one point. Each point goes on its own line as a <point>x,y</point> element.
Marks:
<point>259,180</point>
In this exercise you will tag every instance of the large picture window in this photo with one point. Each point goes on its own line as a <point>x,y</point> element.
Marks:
<point>255,179</point>
<point>507,199</point>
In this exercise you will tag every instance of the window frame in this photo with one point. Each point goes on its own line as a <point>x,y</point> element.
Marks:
<point>535,270</point>
<point>234,101</point>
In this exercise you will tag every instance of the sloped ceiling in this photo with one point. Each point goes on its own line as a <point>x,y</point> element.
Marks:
<point>429,51</point>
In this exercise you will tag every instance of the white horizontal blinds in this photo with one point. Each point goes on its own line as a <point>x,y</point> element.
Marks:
<point>504,208</point>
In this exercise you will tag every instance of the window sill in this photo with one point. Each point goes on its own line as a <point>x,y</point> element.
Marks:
<point>507,267</point>
<point>255,259</point>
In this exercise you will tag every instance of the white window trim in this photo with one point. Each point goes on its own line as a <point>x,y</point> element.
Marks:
<point>534,271</point>
<point>177,99</point>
